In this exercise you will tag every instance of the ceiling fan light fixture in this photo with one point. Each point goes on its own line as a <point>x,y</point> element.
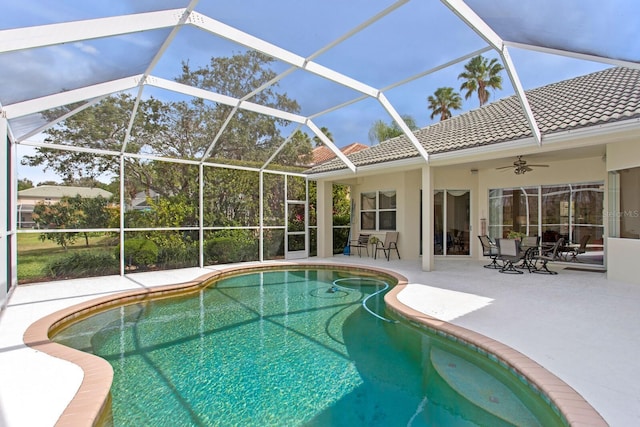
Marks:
<point>520,166</point>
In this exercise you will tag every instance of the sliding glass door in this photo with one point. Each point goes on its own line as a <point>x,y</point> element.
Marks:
<point>573,212</point>
<point>451,213</point>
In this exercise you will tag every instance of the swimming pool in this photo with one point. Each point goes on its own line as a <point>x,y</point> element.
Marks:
<point>296,347</point>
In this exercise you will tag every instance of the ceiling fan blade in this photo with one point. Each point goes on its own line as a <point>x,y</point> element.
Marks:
<point>539,166</point>
<point>505,167</point>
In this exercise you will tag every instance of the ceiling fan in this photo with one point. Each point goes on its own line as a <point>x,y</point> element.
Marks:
<point>520,166</point>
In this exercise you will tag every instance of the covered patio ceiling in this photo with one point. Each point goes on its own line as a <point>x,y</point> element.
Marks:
<point>346,63</point>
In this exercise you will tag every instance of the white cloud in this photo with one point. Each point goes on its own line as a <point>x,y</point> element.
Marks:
<point>83,47</point>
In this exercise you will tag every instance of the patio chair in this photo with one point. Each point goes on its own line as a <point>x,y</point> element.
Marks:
<point>390,243</point>
<point>574,252</point>
<point>362,242</point>
<point>509,253</point>
<point>489,249</point>
<point>546,255</point>
<point>528,250</point>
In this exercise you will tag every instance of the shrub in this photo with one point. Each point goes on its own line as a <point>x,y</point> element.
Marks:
<point>82,264</point>
<point>178,257</point>
<point>232,247</point>
<point>139,252</point>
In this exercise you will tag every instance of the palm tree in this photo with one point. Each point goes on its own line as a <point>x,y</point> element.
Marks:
<point>443,100</point>
<point>480,75</point>
<point>381,131</point>
<point>318,142</point>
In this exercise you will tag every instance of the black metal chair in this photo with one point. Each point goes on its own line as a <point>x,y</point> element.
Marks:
<point>529,247</point>
<point>489,249</point>
<point>574,252</point>
<point>362,242</point>
<point>541,260</point>
<point>509,254</point>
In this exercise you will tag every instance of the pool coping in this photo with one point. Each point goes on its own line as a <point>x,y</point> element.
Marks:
<point>91,404</point>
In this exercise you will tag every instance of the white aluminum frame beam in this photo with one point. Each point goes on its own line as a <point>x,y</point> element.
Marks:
<point>152,65</point>
<point>223,99</point>
<point>290,70</point>
<point>69,32</point>
<point>286,141</point>
<point>42,128</point>
<point>326,141</point>
<point>36,105</point>
<point>227,32</point>
<point>408,132</point>
<point>468,16</point>
<point>575,55</point>
<point>522,96</point>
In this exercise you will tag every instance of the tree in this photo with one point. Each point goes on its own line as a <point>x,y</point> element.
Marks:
<point>176,129</point>
<point>316,139</point>
<point>443,101</point>
<point>381,131</point>
<point>63,214</point>
<point>248,135</point>
<point>24,184</point>
<point>101,127</point>
<point>299,146</point>
<point>71,213</point>
<point>480,75</point>
<point>95,213</point>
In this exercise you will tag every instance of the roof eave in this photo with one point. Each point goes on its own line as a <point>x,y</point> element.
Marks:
<point>573,138</point>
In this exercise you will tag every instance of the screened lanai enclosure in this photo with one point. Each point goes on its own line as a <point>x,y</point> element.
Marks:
<point>199,118</point>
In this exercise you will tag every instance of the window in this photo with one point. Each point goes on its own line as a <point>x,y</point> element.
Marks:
<point>378,210</point>
<point>624,203</point>
<point>571,211</point>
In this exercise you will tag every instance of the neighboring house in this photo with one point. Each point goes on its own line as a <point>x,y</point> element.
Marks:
<point>29,198</point>
<point>323,153</point>
<point>140,202</point>
<point>586,184</point>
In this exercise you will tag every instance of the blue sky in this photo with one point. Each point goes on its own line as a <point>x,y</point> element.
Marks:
<point>414,38</point>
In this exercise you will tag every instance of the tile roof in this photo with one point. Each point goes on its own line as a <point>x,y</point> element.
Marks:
<point>594,99</point>
<point>59,191</point>
<point>323,153</point>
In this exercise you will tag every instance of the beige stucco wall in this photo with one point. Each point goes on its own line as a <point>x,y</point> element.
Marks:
<point>619,253</point>
<point>407,184</point>
<point>407,187</point>
<point>622,254</point>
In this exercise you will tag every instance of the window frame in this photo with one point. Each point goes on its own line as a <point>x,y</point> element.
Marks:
<point>377,210</point>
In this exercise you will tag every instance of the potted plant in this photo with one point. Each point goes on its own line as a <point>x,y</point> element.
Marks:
<point>518,235</point>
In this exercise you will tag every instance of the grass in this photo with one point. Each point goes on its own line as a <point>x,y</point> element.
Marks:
<point>34,254</point>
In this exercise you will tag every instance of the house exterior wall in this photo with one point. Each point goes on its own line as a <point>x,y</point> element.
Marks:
<point>408,185</point>
<point>622,152</point>
<point>622,254</point>
<point>560,172</point>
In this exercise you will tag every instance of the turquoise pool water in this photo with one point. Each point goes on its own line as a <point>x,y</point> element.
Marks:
<point>290,348</point>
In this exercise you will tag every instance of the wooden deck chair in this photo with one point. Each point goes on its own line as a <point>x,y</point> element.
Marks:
<point>390,243</point>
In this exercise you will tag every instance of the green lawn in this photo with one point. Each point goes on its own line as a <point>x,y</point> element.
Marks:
<point>34,254</point>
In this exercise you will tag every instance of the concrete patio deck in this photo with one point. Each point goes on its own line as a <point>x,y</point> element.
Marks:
<point>577,324</point>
